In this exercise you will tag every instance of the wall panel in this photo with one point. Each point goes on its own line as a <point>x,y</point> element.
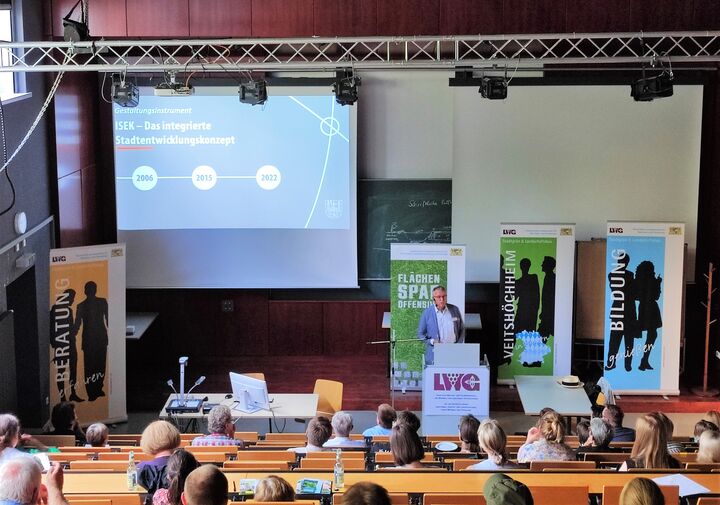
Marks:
<point>159,18</point>
<point>345,18</point>
<point>466,17</point>
<point>108,18</point>
<point>347,327</point>
<point>606,16</point>
<point>534,16</point>
<point>408,17</point>
<point>661,15</point>
<point>220,18</point>
<point>282,18</point>
<point>295,328</point>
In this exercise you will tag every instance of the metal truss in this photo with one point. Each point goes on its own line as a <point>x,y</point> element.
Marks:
<point>318,54</point>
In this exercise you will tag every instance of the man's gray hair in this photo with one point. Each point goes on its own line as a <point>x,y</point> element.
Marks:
<point>342,423</point>
<point>218,418</point>
<point>97,434</point>
<point>9,428</point>
<point>20,480</point>
<point>601,431</point>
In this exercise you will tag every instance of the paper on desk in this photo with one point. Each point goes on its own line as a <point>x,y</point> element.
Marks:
<point>687,486</point>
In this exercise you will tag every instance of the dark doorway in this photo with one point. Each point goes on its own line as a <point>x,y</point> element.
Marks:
<point>22,300</point>
<point>8,388</point>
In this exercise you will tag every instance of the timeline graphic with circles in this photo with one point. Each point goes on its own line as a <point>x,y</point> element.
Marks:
<point>284,166</point>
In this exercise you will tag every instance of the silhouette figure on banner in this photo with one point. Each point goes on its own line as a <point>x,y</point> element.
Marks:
<point>63,343</point>
<point>647,293</point>
<point>623,282</point>
<point>92,315</point>
<point>527,294</point>
<point>547,313</point>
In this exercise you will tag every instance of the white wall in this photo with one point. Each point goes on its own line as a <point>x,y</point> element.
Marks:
<point>583,155</point>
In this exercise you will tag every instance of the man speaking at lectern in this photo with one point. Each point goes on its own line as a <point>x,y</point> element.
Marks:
<point>440,323</point>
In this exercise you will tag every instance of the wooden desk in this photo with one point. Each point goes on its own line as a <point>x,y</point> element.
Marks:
<point>540,391</point>
<point>400,481</point>
<point>302,406</point>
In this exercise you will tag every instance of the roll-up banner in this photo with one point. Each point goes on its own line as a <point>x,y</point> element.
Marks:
<point>87,331</point>
<point>415,269</point>
<point>537,267</point>
<point>643,306</point>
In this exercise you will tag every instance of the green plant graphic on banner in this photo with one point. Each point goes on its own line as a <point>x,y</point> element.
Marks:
<point>411,284</point>
<point>527,306</point>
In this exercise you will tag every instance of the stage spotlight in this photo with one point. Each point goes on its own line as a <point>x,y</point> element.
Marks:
<point>124,93</point>
<point>76,31</point>
<point>648,89</point>
<point>253,92</point>
<point>494,88</point>
<point>346,87</point>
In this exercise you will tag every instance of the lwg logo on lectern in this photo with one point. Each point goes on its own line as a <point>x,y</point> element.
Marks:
<point>456,382</point>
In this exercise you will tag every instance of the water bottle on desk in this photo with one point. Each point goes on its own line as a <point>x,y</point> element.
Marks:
<point>338,472</point>
<point>132,473</point>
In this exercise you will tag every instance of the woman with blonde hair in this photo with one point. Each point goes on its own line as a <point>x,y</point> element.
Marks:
<point>550,434</point>
<point>159,439</point>
<point>641,491</point>
<point>274,488</point>
<point>709,447</point>
<point>492,440</point>
<point>650,447</point>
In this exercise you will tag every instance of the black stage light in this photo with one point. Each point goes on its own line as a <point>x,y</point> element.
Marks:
<point>253,92</point>
<point>494,88</point>
<point>124,93</point>
<point>648,89</point>
<point>76,31</point>
<point>346,87</point>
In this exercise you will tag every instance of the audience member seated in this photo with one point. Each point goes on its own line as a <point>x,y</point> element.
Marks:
<point>702,426</point>
<point>385,417</point>
<point>366,493</point>
<point>583,432</point>
<point>500,489</point>
<point>342,424</point>
<point>96,435</point>
<point>614,415</point>
<point>206,485</point>
<point>159,439</point>
<point>179,466</point>
<point>669,428</point>
<point>21,483</point>
<point>493,441</point>
<point>406,447</point>
<point>409,418</point>
<point>10,438</point>
<point>468,427</point>
<point>599,438</point>
<point>713,416</point>
<point>65,421</point>
<point>274,488</point>
<point>549,441</point>
<point>318,432</point>
<point>650,447</point>
<point>641,491</point>
<point>221,428</point>
<point>709,447</point>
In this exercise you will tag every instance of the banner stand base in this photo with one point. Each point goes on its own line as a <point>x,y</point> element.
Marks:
<point>705,393</point>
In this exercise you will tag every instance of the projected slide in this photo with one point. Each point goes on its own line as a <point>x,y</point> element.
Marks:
<point>204,162</point>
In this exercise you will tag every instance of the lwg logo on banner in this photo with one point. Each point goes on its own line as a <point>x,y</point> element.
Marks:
<point>456,382</point>
<point>616,230</point>
<point>509,232</point>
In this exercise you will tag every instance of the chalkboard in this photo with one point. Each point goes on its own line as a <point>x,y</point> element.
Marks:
<point>402,211</point>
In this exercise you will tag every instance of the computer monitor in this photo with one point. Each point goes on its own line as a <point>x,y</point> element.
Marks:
<point>250,394</point>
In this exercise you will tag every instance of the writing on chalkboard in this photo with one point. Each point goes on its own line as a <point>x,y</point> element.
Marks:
<point>433,235</point>
<point>400,211</point>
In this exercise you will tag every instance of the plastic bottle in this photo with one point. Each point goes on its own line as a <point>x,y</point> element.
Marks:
<point>339,471</point>
<point>132,473</point>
